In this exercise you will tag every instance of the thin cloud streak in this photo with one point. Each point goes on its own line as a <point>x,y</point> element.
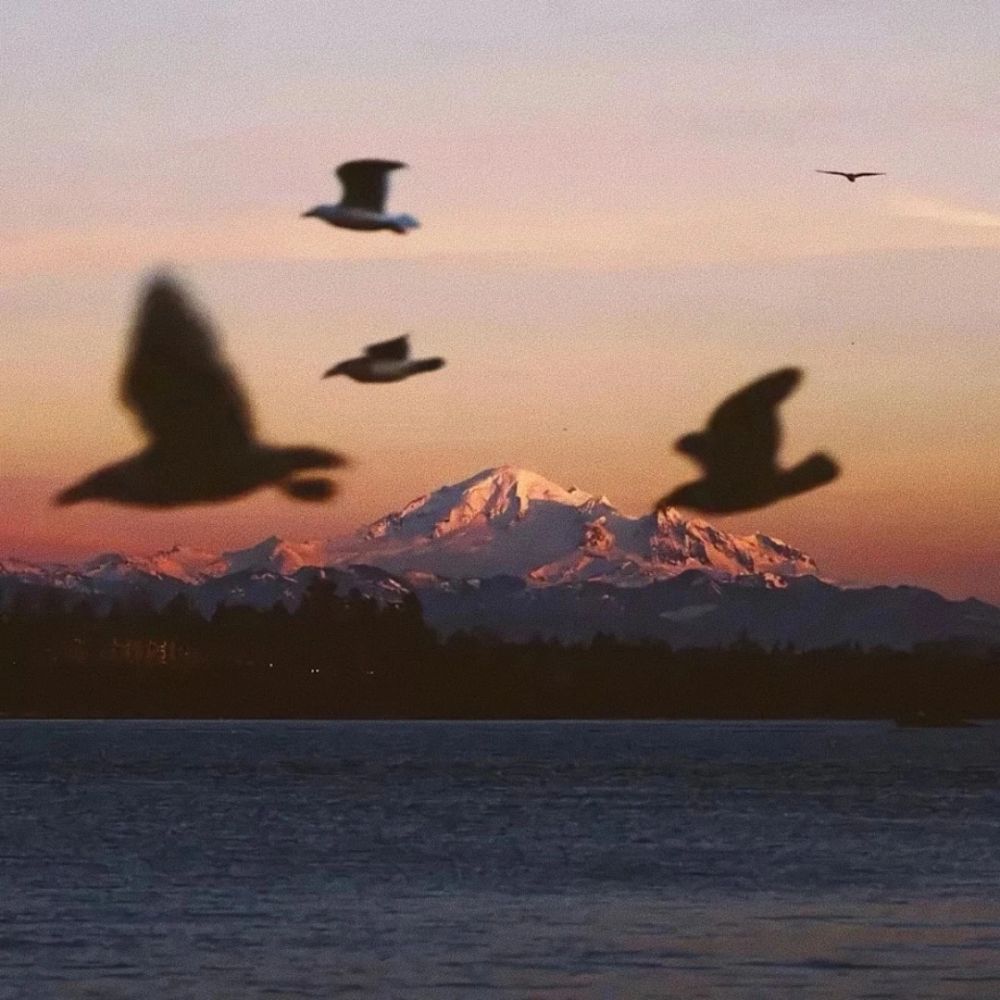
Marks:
<point>947,213</point>
<point>733,231</point>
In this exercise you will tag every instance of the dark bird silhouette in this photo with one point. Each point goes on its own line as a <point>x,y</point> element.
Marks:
<point>739,449</point>
<point>852,177</point>
<point>202,446</point>
<point>366,185</point>
<point>387,361</point>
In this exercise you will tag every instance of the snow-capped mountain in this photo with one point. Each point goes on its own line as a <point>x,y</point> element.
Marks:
<point>509,551</point>
<point>500,521</point>
<point>510,521</point>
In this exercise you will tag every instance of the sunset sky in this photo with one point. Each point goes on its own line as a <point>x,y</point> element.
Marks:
<point>621,224</point>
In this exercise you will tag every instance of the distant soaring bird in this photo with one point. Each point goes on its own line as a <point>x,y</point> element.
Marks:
<point>202,446</point>
<point>366,184</point>
<point>852,177</point>
<point>388,361</point>
<point>738,453</point>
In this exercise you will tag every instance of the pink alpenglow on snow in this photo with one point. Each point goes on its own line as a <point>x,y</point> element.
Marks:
<point>511,521</point>
<point>502,521</point>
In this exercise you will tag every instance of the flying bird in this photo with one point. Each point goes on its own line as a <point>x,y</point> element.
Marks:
<point>201,446</point>
<point>853,177</point>
<point>387,361</point>
<point>738,452</point>
<point>366,185</point>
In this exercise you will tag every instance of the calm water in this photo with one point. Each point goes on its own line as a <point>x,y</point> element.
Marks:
<point>499,860</point>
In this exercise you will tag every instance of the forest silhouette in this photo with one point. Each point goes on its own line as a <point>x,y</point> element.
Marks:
<point>352,656</point>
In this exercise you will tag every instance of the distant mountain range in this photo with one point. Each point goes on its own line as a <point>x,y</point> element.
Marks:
<point>510,552</point>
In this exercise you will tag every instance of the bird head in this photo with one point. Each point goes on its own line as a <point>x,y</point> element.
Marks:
<point>691,444</point>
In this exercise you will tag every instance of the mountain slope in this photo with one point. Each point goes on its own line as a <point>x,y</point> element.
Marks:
<point>510,521</point>
<point>693,609</point>
<point>509,551</point>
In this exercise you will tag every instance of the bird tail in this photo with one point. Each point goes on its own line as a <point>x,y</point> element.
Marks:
<point>312,458</point>
<point>428,365</point>
<point>71,495</point>
<point>814,471</point>
<point>682,496</point>
<point>311,490</point>
<point>404,223</point>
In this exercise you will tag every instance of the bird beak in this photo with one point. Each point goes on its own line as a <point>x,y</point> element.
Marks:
<point>333,371</point>
<point>311,214</point>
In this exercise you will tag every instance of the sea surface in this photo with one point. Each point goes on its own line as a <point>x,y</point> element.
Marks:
<point>439,861</point>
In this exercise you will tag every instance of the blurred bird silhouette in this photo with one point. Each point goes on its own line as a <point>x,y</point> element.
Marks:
<point>739,449</point>
<point>387,361</point>
<point>852,177</point>
<point>366,185</point>
<point>202,446</point>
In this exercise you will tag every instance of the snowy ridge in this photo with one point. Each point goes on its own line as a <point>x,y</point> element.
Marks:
<point>510,551</point>
<point>500,495</point>
<point>511,521</point>
<point>502,521</point>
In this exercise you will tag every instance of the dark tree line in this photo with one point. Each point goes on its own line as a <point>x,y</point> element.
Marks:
<point>350,656</point>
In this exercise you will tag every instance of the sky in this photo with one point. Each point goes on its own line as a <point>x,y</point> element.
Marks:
<point>621,224</point>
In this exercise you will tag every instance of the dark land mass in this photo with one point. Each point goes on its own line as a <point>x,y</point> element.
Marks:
<point>353,657</point>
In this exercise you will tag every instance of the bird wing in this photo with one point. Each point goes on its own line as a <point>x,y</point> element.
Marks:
<point>390,350</point>
<point>744,432</point>
<point>366,183</point>
<point>872,173</point>
<point>175,380</point>
<point>834,173</point>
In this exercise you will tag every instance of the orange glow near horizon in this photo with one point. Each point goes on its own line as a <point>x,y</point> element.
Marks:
<point>621,224</point>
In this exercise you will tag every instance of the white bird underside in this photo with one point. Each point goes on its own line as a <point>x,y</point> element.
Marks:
<point>363,219</point>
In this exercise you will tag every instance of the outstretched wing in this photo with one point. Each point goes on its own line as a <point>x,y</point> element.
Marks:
<point>744,433</point>
<point>872,173</point>
<point>366,183</point>
<point>390,350</point>
<point>834,173</point>
<point>175,380</point>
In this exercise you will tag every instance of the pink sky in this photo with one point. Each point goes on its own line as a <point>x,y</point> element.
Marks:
<point>621,225</point>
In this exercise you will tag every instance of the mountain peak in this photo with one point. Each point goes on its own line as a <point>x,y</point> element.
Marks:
<point>274,554</point>
<point>497,496</point>
<point>509,520</point>
<point>502,521</point>
<point>523,484</point>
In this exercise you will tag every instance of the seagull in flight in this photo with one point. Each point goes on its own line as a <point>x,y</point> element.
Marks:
<point>201,447</point>
<point>739,449</point>
<point>362,206</point>
<point>853,177</point>
<point>387,361</point>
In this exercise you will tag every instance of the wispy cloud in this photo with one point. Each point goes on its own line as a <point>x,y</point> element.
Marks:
<point>946,213</point>
<point>670,234</point>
